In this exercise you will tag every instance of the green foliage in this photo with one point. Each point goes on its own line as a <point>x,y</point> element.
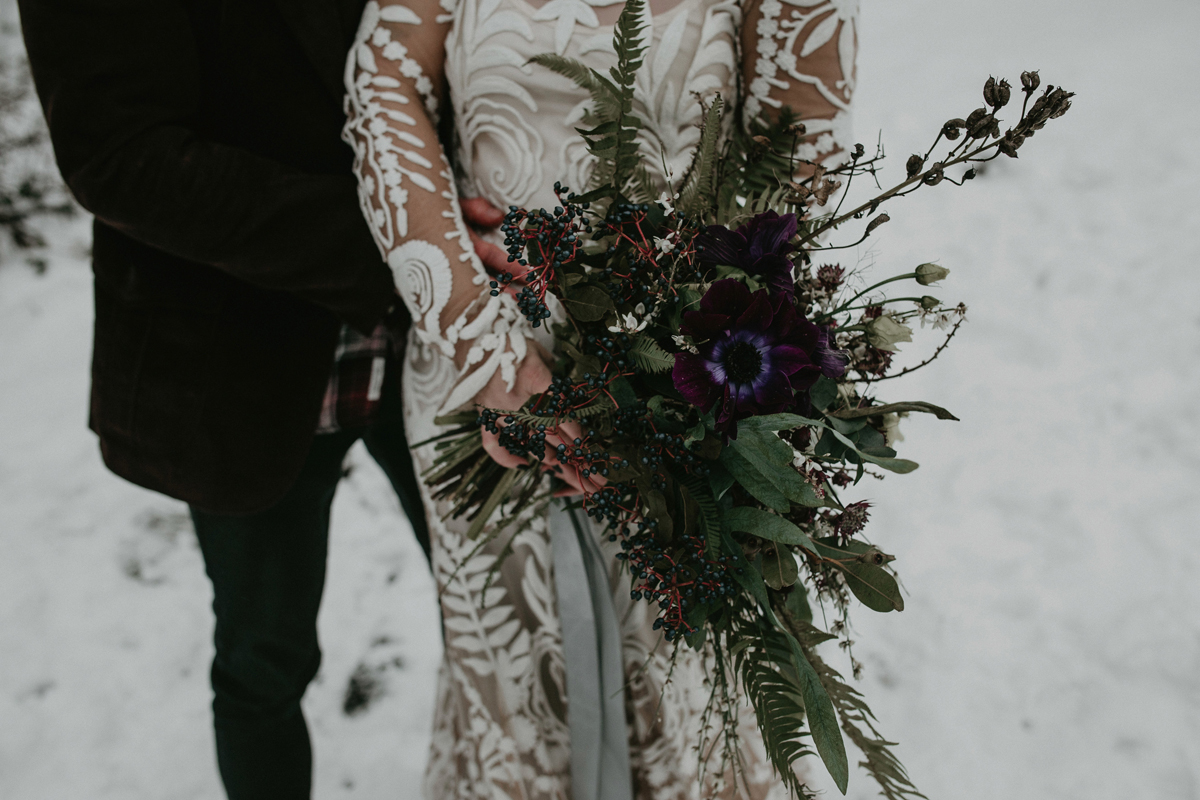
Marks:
<point>766,525</point>
<point>762,463</point>
<point>698,191</point>
<point>649,357</point>
<point>613,140</point>
<point>771,684</point>
<point>588,303</point>
<point>857,721</point>
<point>862,567</point>
<point>762,168</point>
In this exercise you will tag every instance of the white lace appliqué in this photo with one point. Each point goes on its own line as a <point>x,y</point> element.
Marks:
<point>391,158</point>
<point>780,50</point>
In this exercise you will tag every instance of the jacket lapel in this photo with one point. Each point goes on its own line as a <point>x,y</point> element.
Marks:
<point>317,25</point>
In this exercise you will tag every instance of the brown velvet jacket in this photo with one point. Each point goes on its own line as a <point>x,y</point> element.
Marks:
<point>204,135</point>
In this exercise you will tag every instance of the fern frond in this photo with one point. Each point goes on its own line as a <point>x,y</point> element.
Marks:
<point>606,101</point>
<point>698,192</point>
<point>857,721</point>
<point>649,357</point>
<point>774,692</point>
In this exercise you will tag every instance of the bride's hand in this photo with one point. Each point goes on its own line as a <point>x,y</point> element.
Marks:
<point>533,377</point>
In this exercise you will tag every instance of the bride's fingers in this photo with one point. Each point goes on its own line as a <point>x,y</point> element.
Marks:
<point>491,446</point>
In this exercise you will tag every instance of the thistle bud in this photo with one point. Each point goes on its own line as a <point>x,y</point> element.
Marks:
<point>930,273</point>
<point>930,303</point>
<point>989,92</point>
<point>914,165</point>
<point>1030,81</point>
<point>884,332</point>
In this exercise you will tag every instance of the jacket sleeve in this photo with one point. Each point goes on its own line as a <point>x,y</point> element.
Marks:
<point>119,82</point>
<point>801,54</point>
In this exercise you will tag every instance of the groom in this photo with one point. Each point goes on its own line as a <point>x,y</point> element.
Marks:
<point>247,331</point>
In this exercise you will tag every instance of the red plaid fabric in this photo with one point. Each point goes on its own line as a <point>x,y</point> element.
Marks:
<point>356,381</point>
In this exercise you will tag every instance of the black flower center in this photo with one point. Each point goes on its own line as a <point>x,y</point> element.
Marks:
<point>743,362</point>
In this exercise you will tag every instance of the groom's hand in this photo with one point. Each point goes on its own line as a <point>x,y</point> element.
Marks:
<point>481,215</point>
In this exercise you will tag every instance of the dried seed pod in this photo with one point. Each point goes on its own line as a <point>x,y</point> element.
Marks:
<point>989,92</point>
<point>969,175</point>
<point>914,165</point>
<point>985,126</point>
<point>763,140</point>
<point>875,223</point>
<point>1003,93</point>
<point>1007,147</point>
<point>797,129</point>
<point>951,128</point>
<point>973,120</point>
<point>934,176</point>
<point>858,151</point>
<point>1030,81</point>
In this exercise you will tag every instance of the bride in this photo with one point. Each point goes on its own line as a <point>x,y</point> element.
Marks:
<point>553,684</point>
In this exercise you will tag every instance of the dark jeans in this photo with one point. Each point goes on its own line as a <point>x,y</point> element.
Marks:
<point>268,572</point>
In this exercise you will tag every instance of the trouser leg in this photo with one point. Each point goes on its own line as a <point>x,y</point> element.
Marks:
<point>387,442</point>
<point>268,572</point>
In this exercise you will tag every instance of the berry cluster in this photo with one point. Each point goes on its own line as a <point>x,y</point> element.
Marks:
<point>541,241</point>
<point>676,581</point>
<point>642,269</point>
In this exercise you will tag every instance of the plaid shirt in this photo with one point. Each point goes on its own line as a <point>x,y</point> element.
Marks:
<point>356,380</point>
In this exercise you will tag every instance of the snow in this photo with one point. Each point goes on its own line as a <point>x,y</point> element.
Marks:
<point>1050,647</point>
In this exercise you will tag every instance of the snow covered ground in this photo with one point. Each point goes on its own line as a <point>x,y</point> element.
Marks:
<point>1051,643</point>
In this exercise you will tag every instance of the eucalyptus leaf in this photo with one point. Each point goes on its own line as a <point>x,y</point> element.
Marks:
<point>900,465</point>
<point>589,303</point>
<point>873,585</point>
<point>823,393</point>
<point>771,458</point>
<point>766,525</point>
<point>753,481</point>
<point>779,567</point>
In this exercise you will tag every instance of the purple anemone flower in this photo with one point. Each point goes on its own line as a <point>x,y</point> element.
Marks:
<point>756,355</point>
<point>760,247</point>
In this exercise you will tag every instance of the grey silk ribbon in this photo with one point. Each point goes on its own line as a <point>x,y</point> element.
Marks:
<point>595,675</point>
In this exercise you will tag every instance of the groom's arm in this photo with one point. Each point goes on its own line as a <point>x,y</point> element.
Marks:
<point>119,81</point>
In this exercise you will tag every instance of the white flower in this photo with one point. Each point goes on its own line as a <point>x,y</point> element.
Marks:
<point>684,344</point>
<point>628,324</point>
<point>884,332</point>
<point>664,200</point>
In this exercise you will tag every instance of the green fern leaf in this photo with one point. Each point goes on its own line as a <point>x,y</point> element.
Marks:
<point>649,357</point>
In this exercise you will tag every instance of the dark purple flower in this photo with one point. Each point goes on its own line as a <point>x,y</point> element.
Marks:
<point>755,354</point>
<point>760,247</point>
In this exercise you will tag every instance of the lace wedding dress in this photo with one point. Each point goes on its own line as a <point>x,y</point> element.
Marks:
<point>502,721</point>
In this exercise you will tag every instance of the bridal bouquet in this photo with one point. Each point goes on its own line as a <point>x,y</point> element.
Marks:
<point>718,377</point>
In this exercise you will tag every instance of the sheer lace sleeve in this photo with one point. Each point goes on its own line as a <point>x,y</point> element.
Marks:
<point>406,187</point>
<point>800,53</point>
